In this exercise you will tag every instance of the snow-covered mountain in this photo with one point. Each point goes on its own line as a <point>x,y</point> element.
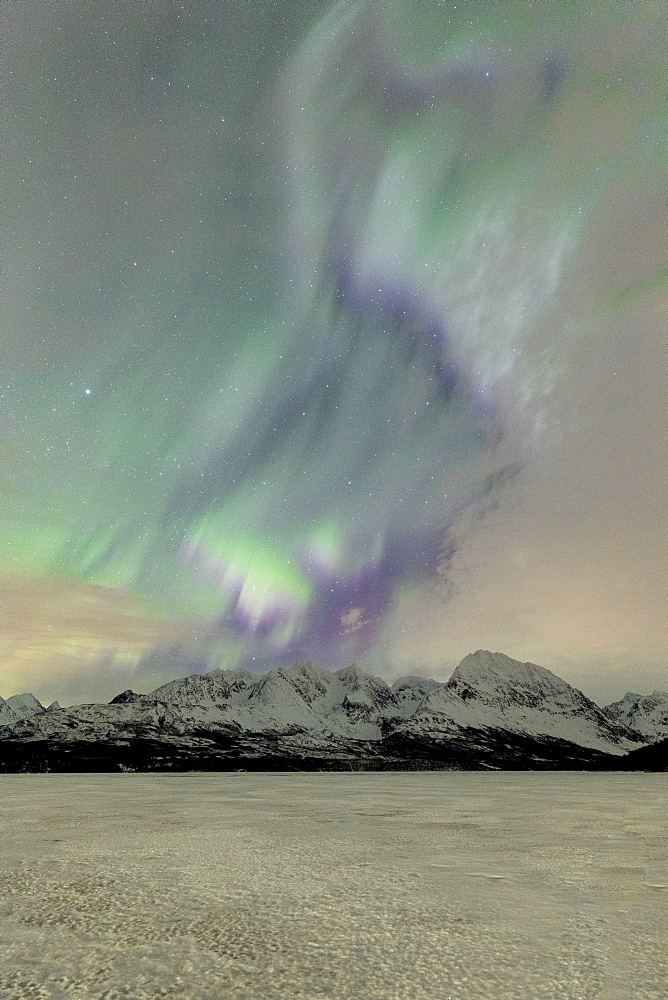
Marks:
<point>25,705</point>
<point>411,691</point>
<point>22,706</point>
<point>645,714</point>
<point>493,712</point>
<point>7,714</point>
<point>491,691</point>
<point>304,697</point>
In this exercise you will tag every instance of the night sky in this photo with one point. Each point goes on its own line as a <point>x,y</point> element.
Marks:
<point>333,332</point>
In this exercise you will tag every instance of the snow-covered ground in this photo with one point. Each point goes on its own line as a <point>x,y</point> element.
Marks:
<point>399,886</point>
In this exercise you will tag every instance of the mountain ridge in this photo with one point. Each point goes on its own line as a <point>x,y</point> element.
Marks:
<point>493,711</point>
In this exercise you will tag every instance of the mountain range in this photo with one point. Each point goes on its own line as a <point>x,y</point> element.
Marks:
<point>494,713</point>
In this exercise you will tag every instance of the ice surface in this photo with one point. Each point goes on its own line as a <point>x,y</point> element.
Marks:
<point>399,886</point>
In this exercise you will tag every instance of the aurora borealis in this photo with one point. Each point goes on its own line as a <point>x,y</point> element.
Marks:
<point>331,331</point>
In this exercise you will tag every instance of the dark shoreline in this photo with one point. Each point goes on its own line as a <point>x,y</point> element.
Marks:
<point>143,755</point>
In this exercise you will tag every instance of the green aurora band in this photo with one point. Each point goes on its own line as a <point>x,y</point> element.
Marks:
<point>267,413</point>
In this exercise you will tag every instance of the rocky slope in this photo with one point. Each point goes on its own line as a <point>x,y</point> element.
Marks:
<point>494,712</point>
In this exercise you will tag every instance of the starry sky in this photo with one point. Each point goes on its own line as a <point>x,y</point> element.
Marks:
<point>331,331</point>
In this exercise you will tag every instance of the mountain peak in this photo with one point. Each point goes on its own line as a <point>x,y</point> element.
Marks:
<point>7,714</point>
<point>414,681</point>
<point>646,714</point>
<point>196,689</point>
<point>484,672</point>
<point>19,707</point>
<point>352,672</point>
<point>308,669</point>
<point>25,704</point>
<point>125,697</point>
<point>492,691</point>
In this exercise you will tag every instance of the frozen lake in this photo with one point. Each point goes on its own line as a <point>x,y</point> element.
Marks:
<point>385,886</point>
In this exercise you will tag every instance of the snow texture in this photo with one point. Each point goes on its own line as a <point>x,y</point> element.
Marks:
<point>333,886</point>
